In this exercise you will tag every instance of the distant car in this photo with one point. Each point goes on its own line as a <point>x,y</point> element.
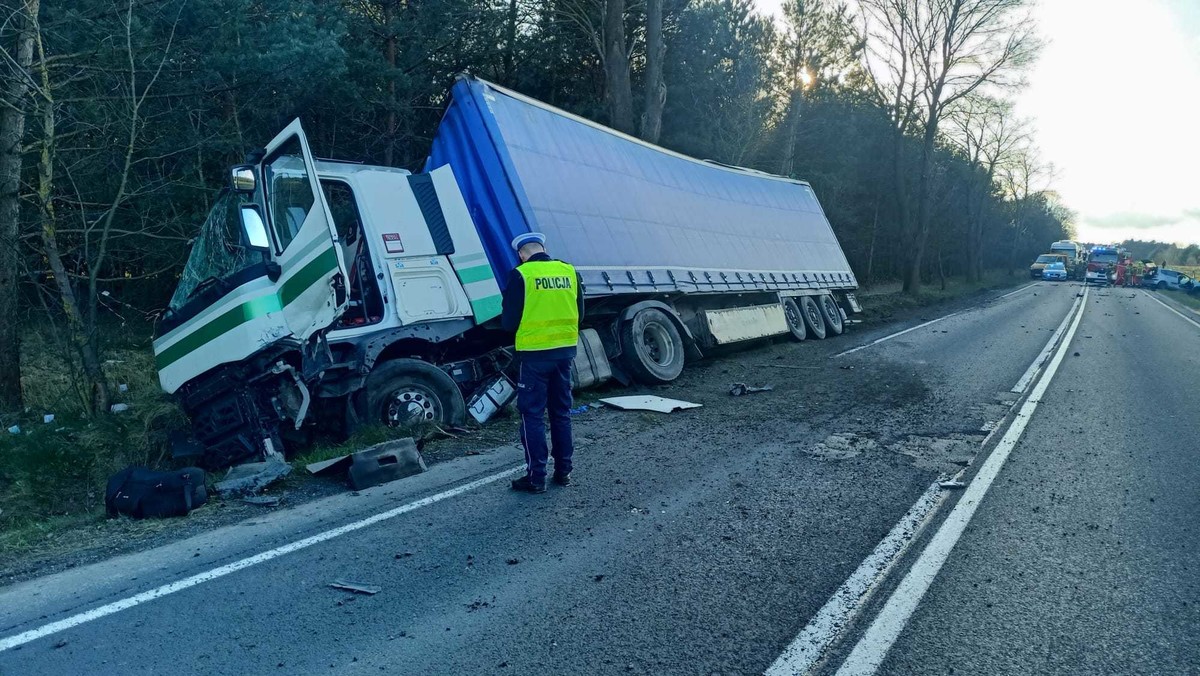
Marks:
<point>1042,261</point>
<point>1174,280</point>
<point>1055,271</point>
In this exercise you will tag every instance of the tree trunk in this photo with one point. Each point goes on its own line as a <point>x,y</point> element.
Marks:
<point>871,250</point>
<point>656,88</point>
<point>616,68</point>
<point>84,341</point>
<point>12,131</point>
<point>795,112</point>
<point>510,46</point>
<point>912,281</point>
<point>389,53</point>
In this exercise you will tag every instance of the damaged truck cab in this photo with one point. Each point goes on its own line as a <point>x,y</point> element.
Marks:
<point>330,294</point>
<point>289,301</point>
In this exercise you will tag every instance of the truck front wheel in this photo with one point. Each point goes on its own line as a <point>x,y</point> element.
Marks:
<point>652,349</point>
<point>407,392</point>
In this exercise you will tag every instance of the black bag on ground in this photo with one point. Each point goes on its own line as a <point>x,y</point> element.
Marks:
<point>143,493</point>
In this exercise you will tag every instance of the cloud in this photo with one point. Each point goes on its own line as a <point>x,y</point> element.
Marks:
<point>1139,221</point>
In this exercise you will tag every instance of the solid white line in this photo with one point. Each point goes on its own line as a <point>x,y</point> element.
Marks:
<point>207,576</point>
<point>1023,288</point>
<point>873,647</point>
<point>1032,371</point>
<point>894,335</point>
<point>1173,309</point>
<point>825,627</point>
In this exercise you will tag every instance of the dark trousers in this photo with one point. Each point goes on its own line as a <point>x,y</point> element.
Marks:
<point>545,386</point>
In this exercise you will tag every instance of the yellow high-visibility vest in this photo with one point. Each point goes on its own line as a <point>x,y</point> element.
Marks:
<point>551,316</point>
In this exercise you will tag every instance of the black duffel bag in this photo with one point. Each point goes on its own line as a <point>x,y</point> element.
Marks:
<point>144,493</point>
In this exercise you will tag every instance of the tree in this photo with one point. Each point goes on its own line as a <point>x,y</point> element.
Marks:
<point>926,56</point>
<point>820,45</point>
<point>17,78</point>
<point>989,137</point>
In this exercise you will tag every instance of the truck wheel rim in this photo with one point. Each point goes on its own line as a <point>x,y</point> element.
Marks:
<point>814,314</point>
<point>831,309</point>
<point>410,405</point>
<point>793,317</point>
<point>657,345</point>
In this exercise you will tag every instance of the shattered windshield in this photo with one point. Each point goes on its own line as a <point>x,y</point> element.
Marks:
<point>217,251</point>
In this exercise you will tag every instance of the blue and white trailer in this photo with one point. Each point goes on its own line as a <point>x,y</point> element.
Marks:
<point>333,293</point>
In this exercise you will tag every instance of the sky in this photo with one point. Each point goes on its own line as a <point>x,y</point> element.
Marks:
<point>1114,100</point>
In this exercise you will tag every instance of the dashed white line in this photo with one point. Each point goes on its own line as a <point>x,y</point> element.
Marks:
<point>874,645</point>
<point>207,576</point>
<point>1187,318</point>
<point>1032,371</point>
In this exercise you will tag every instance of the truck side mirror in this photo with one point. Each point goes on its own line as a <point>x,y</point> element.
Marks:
<point>242,178</point>
<point>254,228</point>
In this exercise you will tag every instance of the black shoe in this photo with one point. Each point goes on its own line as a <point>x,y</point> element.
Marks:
<point>562,479</point>
<point>526,486</point>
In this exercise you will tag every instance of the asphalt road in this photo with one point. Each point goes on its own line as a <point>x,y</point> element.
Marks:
<point>704,541</point>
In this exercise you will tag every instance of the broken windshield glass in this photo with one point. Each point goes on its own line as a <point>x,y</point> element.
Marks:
<point>217,251</point>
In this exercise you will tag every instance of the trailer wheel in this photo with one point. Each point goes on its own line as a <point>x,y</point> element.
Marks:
<point>652,347</point>
<point>407,392</point>
<point>795,318</point>
<point>833,316</point>
<point>812,317</point>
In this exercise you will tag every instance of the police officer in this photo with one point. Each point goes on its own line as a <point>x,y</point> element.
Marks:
<point>543,304</point>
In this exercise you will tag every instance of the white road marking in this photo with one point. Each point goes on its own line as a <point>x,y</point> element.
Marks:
<point>1023,288</point>
<point>921,326</point>
<point>1023,383</point>
<point>1173,309</point>
<point>894,335</point>
<point>825,627</point>
<point>208,576</point>
<point>874,645</point>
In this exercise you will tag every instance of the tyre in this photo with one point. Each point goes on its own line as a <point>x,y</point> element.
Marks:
<point>832,315</point>
<point>812,317</point>
<point>408,392</point>
<point>652,349</point>
<point>1160,286</point>
<point>795,318</point>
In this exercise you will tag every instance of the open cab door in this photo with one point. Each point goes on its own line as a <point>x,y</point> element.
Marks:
<point>311,276</point>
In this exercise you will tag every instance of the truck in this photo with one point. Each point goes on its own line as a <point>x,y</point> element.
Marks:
<point>325,294</point>
<point>1101,265</point>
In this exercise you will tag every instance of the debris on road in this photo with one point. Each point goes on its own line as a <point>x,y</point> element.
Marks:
<point>252,477</point>
<point>330,466</point>
<point>262,500</point>
<point>491,398</point>
<point>368,589</point>
<point>740,389</point>
<point>649,403</point>
<point>786,366</point>
<point>385,462</point>
<point>951,484</point>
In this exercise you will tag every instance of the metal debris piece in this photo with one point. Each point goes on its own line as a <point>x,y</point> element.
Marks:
<point>329,466</point>
<point>262,500</point>
<point>951,484</point>
<point>252,477</point>
<point>739,389</point>
<point>368,589</point>
<point>385,462</point>
<point>649,403</point>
